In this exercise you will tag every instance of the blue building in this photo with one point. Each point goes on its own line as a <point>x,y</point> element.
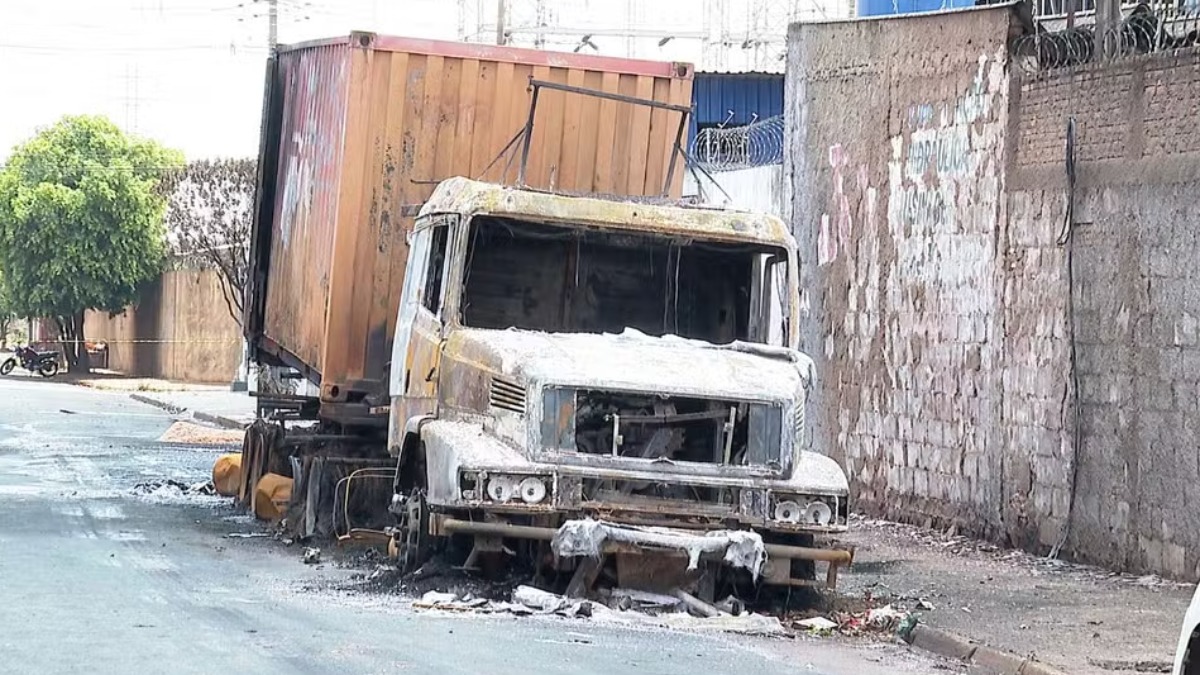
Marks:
<point>734,100</point>
<point>890,7</point>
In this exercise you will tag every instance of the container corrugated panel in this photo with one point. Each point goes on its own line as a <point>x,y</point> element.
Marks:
<point>748,96</point>
<point>415,112</point>
<point>313,83</point>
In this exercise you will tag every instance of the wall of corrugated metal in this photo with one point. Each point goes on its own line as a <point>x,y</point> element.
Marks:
<point>749,96</point>
<point>305,211</point>
<point>416,112</point>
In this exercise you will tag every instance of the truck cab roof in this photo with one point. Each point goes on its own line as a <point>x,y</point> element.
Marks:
<point>470,197</point>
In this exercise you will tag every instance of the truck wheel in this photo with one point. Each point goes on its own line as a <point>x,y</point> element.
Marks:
<point>412,541</point>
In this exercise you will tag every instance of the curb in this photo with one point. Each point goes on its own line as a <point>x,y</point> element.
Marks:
<point>217,420</point>
<point>161,405</point>
<point>956,647</point>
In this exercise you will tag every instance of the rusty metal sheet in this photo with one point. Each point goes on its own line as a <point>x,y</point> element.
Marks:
<point>372,122</point>
<point>304,214</point>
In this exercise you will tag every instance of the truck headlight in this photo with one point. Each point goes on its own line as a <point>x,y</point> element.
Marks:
<point>501,488</point>
<point>532,490</point>
<point>818,513</point>
<point>794,509</point>
<point>789,512</point>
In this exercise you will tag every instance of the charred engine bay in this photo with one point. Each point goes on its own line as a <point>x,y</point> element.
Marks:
<point>660,427</point>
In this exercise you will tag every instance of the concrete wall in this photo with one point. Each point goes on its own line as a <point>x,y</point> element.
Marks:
<point>929,193</point>
<point>1136,292</point>
<point>759,188</point>
<point>897,142</point>
<point>179,330</point>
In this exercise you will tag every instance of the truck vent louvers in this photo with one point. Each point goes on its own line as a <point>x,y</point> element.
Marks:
<point>507,395</point>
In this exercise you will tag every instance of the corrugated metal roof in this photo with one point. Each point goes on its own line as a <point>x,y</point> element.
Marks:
<point>748,96</point>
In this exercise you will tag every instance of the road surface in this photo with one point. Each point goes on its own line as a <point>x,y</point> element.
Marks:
<point>97,578</point>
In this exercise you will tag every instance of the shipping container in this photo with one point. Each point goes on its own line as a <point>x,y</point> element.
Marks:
<point>356,133</point>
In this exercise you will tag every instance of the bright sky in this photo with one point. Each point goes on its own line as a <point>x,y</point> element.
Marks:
<point>189,73</point>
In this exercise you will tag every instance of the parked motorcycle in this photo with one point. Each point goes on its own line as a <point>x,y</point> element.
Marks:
<point>42,363</point>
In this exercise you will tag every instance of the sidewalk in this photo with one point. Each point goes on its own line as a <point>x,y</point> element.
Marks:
<point>1080,619</point>
<point>213,404</point>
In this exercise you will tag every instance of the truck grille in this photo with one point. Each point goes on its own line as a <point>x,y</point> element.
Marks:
<point>507,395</point>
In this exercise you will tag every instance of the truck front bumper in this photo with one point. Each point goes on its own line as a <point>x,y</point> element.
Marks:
<point>594,539</point>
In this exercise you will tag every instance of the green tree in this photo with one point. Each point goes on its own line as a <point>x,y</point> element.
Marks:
<point>81,223</point>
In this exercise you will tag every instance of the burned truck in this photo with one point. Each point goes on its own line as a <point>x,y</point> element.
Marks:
<point>607,375</point>
<point>504,361</point>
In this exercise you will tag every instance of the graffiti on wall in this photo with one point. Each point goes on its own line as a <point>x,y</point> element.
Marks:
<point>944,187</point>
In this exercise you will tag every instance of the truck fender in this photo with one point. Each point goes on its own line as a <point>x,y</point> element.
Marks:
<point>410,463</point>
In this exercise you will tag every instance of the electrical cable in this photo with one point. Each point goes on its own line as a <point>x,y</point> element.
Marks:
<point>1066,238</point>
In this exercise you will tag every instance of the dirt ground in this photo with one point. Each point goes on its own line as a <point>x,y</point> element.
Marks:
<point>194,434</point>
<point>1078,618</point>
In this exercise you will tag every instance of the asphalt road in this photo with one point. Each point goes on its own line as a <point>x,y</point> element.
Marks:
<point>97,578</point>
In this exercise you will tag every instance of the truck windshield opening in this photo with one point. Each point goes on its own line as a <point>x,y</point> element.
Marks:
<point>563,278</point>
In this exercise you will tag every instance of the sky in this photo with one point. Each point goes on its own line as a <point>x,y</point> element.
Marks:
<point>189,73</point>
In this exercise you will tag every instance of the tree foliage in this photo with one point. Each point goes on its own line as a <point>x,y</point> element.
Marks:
<point>209,211</point>
<point>81,222</point>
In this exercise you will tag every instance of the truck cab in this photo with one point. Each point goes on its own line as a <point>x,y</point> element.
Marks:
<point>608,374</point>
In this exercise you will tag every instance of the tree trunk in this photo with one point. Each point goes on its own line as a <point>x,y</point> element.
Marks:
<point>83,359</point>
<point>70,331</point>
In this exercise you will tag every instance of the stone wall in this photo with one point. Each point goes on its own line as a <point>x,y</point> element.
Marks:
<point>945,298</point>
<point>896,164</point>
<point>1136,292</point>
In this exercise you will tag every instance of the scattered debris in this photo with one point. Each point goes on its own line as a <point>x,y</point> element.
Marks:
<point>960,545</point>
<point>171,490</point>
<point>312,556</point>
<point>924,605</point>
<point>817,624</point>
<point>530,601</point>
<point>586,538</point>
<point>732,605</point>
<point>1143,666</point>
<point>882,620</point>
<point>246,535</point>
<point>625,599</point>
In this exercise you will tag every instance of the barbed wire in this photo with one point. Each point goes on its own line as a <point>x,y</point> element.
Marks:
<point>759,143</point>
<point>1143,31</point>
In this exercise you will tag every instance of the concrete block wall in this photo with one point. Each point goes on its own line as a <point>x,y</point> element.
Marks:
<point>1137,298</point>
<point>896,168</point>
<point>942,301</point>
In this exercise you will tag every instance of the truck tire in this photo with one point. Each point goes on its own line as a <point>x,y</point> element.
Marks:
<point>412,546</point>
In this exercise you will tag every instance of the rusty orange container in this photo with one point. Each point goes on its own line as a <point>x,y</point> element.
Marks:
<point>356,133</point>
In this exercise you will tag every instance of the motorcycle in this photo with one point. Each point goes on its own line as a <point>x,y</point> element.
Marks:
<point>42,363</point>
